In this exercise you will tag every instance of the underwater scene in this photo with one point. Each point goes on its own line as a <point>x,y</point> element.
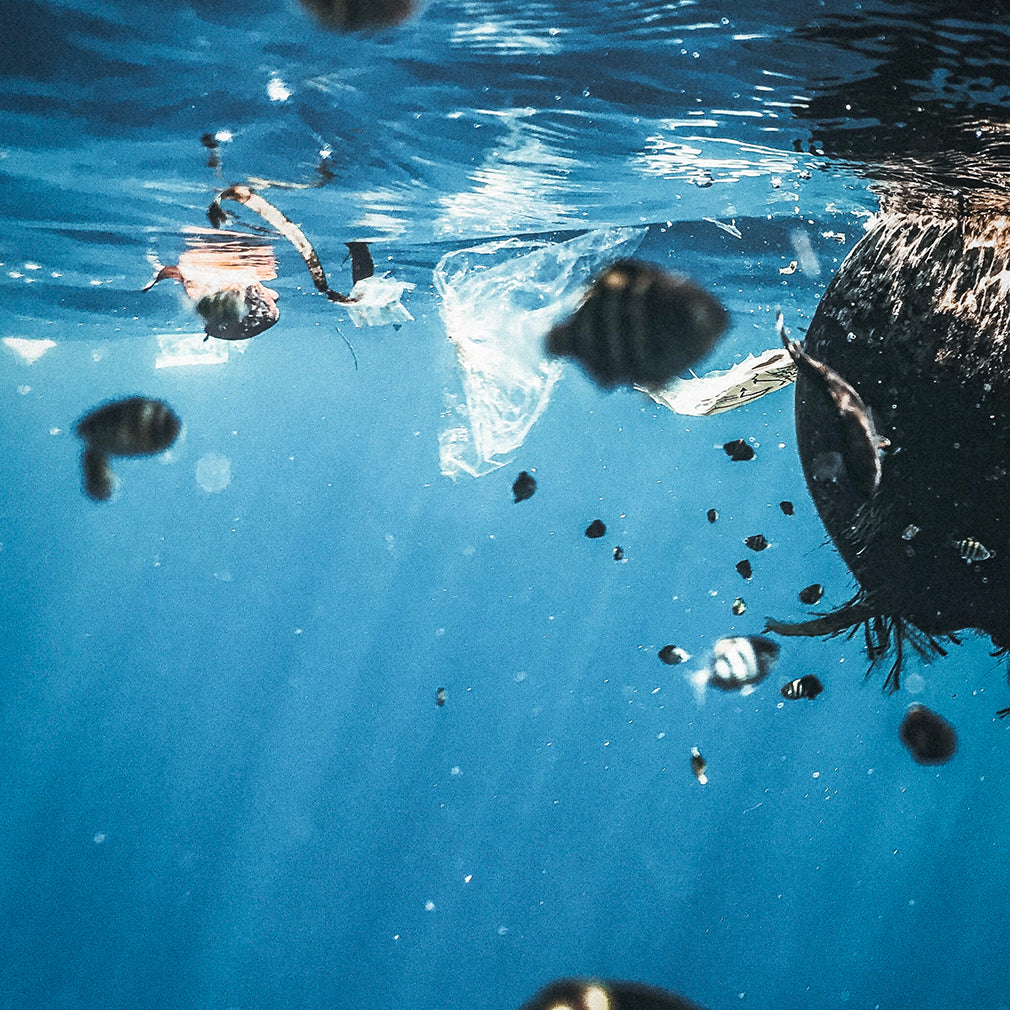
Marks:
<point>505,504</point>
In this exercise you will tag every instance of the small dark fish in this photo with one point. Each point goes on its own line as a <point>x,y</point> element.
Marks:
<point>699,766</point>
<point>639,325</point>
<point>787,507</point>
<point>745,569</point>
<point>972,550</point>
<point>807,686</point>
<point>440,697</point>
<point>861,442</point>
<point>736,664</point>
<point>359,15</point>
<point>712,515</point>
<point>593,994</point>
<point>238,313</point>
<point>738,450</point>
<point>811,594</point>
<point>596,529</point>
<point>361,261</point>
<point>619,554</point>
<point>930,739</point>
<point>756,542</point>
<point>99,480</point>
<point>673,654</point>
<point>739,607</point>
<point>135,426</point>
<point>523,487</point>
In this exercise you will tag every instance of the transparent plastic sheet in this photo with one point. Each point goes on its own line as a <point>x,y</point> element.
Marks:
<point>498,300</point>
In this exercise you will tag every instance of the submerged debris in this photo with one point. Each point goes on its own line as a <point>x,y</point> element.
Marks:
<point>619,554</point>
<point>809,595</point>
<point>807,686</point>
<point>787,508</point>
<point>672,655</point>
<point>440,696</point>
<point>930,739</point>
<point>699,766</point>
<point>744,569</point>
<point>523,487</point>
<point>738,450</point>
<point>712,515</point>
<point>596,529</point>
<point>639,325</point>
<point>758,542</point>
<point>738,606</point>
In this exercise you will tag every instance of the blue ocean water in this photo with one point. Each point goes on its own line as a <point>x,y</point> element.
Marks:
<point>224,779</point>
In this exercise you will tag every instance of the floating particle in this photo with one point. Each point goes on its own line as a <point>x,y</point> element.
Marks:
<point>440,696</point>
<point>619,554</point>
<point>738,450</point>
<point>673,654</point>
<point>596,529</point>
<point>699,766</point>
<point>930,739</point>
<point>523,487</point>
<point>791,269</point>
<point>756,542</point>
<point>807,686</point>
<point>639,325</point>
<point>787,508</point>
<point>909,531</point>
<point>809,595</point>
<point>745,569</point>
<point>739,607</point>
<point>712,515</point>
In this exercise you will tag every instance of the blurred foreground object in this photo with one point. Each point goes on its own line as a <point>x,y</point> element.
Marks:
<point>497,301</point>
<point>930,739</point>
<point>360,15</point>
<point>135,426</point>
<point>639,325</point>
<point>590,994</point>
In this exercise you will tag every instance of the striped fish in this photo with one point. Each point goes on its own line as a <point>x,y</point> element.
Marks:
<point>736,664</point>
<point>135,426</point>
<point>972,550</point>
<point>807,686</point>
<point>639,325</point>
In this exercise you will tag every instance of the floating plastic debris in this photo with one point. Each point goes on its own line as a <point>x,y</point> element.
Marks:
<point>29,351</point>
<point>213,472</point>
<point>497,301</point>
<point>719,391</point>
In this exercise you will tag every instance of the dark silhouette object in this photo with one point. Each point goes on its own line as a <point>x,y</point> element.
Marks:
<point>589,994</point>
<point>918,321</point>
<point>596,529</point>
<point>807,686</point>
<point>930,739</point>
<point>738,450</point>
<point>523,487</point>
<point>360,15</point>
<point>639,325</point>
<point>135,426</point>
<point>810,595</point>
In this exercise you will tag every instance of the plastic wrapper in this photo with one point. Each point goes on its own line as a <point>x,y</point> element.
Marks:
<point>717,392</point>
<point>375,301</point>
<point>498,300</point>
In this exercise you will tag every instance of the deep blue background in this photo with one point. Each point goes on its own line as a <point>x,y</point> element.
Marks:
<point>224,781</point>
